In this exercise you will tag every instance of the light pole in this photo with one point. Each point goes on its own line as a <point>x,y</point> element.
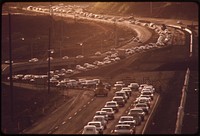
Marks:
<point>115,27</point>
<point>11,80</point>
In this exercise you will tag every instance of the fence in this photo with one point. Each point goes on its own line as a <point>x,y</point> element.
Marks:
<point>180,113</point>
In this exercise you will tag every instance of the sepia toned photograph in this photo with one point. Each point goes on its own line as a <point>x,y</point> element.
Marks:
<point>109,68</point>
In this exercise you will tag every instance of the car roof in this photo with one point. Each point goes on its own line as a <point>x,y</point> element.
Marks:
<point>100,111</point>
<point>136,108</point>
<point>106,108</point>
<point>111,102</point>
<point>90,126</point>
<point>119,92</point>
<point>99,116</point>
<point>126,117</point>
<point>122,125</point>
<point>94,122</point>
<point>118,97</point>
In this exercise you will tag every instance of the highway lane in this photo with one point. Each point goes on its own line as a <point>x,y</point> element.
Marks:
<point>82,117</point>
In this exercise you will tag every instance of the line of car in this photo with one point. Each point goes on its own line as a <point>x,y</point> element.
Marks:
<point>127,123</point>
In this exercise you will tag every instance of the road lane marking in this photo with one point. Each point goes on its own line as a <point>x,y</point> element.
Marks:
<point>79,109</point>
<point>75,113</point>
<point>56,127</point>
<point>84,106</point>
<point>63,122</point>
<point>69,117</point>
<point>50,132</point>
<point>88,102</point>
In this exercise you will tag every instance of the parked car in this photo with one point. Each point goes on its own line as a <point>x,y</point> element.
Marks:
<point>98,125</point>
<point>113,105</point>
<point>120,100</point>
<point>123,129</point>
<point>110,112</point>
<point>90,129</point>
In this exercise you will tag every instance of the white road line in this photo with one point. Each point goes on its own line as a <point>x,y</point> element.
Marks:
<point>63,122</point>
<point>49,132</point>
<point>84,106</point>
<point>75,113</point>
<point>79,109</point>
<point>88,102</point>
<point>92,99</point>
<point>56,127</point>
<point>69,117</point>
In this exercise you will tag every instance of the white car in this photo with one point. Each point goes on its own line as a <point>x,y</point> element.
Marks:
<point>33,60</point>
<point>69,71</point>
<point>113,105</point>
<point>90,129</point>
<point>123,129</point>
<point>123,94</point>
<point>127,90</point>
<point>103,113</point>
<point>98,125</point>
<point>79,56</point>
<point>137,112</point>
<point>110,112</point>
<point>126,118</point>
<point>98,53</point>
<point>8,62</point>
<point>144,106</point>
<point>65,57</point>
<point>142,86</point>
<point>101,119</point>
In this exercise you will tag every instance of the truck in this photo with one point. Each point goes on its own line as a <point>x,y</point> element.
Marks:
<point>100,90</point>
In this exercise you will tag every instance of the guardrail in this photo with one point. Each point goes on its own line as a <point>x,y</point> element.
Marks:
<point>180,113</point>
<point>191,36</point>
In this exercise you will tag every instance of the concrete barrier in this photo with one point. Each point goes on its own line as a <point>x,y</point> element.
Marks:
<point>180,113</point>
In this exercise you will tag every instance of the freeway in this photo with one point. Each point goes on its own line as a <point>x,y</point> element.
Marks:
<point>66,122</point>
<point>143,33</point>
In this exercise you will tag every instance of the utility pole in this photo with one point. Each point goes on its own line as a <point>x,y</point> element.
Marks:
<point>11,79</point>
<point>49,52</point>
<point>116,40</point>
